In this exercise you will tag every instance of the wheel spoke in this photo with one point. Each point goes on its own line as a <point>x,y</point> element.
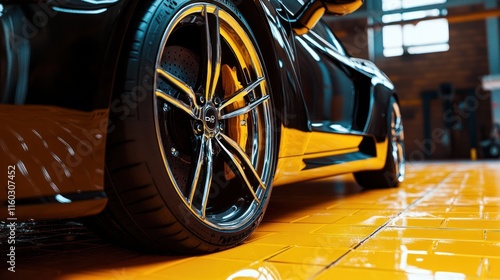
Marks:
<point>176,103</point>
<point>240,170</point>
<point>208,177</point>
<point>242,93</point>
<point>186,89</point>
<point>243,158</point>
<point>245,109</point>
<point>213,45</point>
<point>197,171</point>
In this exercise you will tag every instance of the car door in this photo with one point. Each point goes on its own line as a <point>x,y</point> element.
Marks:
<point>327,80</point>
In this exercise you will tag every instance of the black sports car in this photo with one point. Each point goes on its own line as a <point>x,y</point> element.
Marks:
<point>170,120</point>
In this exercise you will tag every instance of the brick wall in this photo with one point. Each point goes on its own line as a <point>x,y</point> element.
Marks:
<point>462,65</point>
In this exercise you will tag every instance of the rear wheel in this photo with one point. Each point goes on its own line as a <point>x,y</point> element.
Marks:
<point>393,172</point>
<point>191,160</point>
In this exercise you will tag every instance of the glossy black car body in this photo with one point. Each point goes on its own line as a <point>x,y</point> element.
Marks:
<point>64,68</point>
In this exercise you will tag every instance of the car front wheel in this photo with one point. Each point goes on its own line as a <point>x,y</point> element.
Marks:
<point>191,151</point>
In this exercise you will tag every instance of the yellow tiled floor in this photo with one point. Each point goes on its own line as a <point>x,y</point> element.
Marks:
<point>442,223</point>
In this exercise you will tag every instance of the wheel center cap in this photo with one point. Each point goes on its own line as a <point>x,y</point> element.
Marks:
<point>210,118</point>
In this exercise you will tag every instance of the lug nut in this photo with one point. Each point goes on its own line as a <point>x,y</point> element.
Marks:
<point>174,151</point>
<point>217,101</point>
<point>198,128</point>
<point>201,99</point>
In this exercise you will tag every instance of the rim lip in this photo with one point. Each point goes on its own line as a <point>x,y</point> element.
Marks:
<point>397,142</point>
<point>258,69</point>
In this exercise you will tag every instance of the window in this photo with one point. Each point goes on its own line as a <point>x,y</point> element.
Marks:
<point>423,36</point>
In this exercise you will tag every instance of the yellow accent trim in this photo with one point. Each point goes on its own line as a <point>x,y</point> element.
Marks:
<point>317,9</point>
<point>291,169</point>
<point>324,142</point>
<point>309,20</point>
<point>343,9</point>
<point>293,142</point>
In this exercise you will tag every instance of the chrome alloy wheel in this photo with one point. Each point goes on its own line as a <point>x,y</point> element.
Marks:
<point>397,142</point>
<point>213,116</point>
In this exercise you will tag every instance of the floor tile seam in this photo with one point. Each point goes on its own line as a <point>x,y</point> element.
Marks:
<point>293,263</point>
<point>266,258</point>
<point>364,240</point>
<point>282,250</point>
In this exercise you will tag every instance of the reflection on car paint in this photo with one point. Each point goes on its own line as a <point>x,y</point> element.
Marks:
<point>74,141</point>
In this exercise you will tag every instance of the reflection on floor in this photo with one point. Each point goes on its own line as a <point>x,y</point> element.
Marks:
<point>442,223</point>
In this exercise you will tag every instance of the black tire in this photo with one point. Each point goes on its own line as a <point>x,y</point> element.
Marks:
<point>393,172</point>
<point>192,151</point>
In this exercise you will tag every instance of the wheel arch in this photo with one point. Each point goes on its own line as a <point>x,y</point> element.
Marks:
<point>114,51</point>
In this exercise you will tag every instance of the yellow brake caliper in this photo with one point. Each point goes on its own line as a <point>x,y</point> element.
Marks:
<point>235,131</point>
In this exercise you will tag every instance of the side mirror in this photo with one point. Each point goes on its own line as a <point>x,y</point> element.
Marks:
<point>312,12</point>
